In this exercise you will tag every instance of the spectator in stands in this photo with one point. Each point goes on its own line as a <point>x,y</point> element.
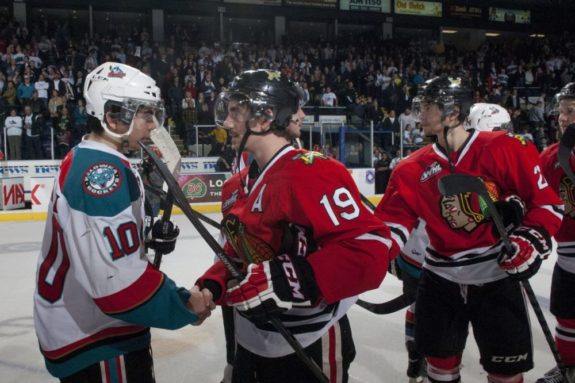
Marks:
<point>13,131</point>
<point>382,173</point>
<point>80,118</point>
<point>389,126</point>
<point>9,95</point>
<point>328,98</point>
<point>219,136</point>
<point>406,118</point>
<point>63,133</point>
<point>417,135</point>
<point>38,105</point>
<point>32,129</point>
<point>55,104</point>
<point>56,84</point>
<point>41,86</point>
<point>189,119</point>
<point>25,90</point>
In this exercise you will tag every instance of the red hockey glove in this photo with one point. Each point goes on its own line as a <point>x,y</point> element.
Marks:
<point>531,245</point>
<point>274,286</point>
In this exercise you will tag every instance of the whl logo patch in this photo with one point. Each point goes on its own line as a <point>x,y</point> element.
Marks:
<point>195,188</point>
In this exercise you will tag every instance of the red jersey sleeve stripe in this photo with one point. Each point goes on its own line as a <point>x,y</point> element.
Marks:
<point>54,355</point>
<point>134,295</point>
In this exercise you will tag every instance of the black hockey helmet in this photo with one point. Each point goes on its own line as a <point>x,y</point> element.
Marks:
<point>269,94</point>
<point>567,92</point>
<point>447,92</point>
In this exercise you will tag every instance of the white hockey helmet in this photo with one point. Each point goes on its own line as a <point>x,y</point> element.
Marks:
<point>486,117</point>
<point>125,87</point>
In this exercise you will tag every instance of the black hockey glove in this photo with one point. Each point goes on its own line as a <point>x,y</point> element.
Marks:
<point>512,210</point>
<point>164,234</point>
<point>274,286</point>
<point>531,245</point>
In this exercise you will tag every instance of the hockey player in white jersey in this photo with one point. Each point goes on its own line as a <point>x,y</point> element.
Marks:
<point>96,294</point>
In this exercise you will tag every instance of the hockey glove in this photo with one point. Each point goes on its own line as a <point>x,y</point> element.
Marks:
<point>274,286</point>
<point>164,234</point>
<point>512,210</point>
<point>531,245</point>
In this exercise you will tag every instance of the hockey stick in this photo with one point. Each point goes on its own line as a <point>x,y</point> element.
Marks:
<point>163,195</point>
<point>565,148</point>
<point>388,307</point>
<point>180,199</point>
<point>454,184</point>
<point>173,160</point>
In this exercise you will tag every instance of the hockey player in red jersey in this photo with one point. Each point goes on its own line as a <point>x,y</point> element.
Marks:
<point>466,279</point>
<point>307,251</point>
<point>563,282</point>
<point>294,133</point>
<point>96,294</point>
<point>409,262</point>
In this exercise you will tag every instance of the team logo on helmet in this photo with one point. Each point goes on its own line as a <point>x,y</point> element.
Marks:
<point>102,179</point>
<point>274,75</point>
<point>116,71</point>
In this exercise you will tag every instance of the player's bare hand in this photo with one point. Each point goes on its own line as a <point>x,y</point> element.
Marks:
<point>201,303</point>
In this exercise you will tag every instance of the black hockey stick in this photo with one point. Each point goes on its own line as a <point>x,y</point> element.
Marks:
<point>163,195</point>
<point>388,307</point>
<point>454,184</point>
<point>367,202</point>
<point>565,148</point>
<point>182,202</point>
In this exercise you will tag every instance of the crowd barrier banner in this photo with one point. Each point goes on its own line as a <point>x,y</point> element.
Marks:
<point>50,168</point>
<point>203,187</point>
<point>40,192</point>
<point>198,180</point>
<point>365,180</point>
<point>12,193</point>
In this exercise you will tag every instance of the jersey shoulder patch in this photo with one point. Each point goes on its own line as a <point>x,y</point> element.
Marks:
<point>309,158</point>
<point>101,179</point>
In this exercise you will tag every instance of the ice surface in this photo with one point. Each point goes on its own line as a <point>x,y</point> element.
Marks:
<point>197,354</point>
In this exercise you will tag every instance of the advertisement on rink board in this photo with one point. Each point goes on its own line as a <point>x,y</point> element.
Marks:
<point>40,192</point>
<point>418,8</point>
<point>383,6</point>
<point>203,187</point>
<point>12,193</point>
<point>198,180</point>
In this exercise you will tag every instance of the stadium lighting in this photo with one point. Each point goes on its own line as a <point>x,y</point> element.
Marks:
<point>492,34</point>
<point>449,31</point>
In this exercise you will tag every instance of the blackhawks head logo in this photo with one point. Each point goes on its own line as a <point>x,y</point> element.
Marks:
<point>466,211</point>
<point>567,194</point>
<point>250,248</point>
